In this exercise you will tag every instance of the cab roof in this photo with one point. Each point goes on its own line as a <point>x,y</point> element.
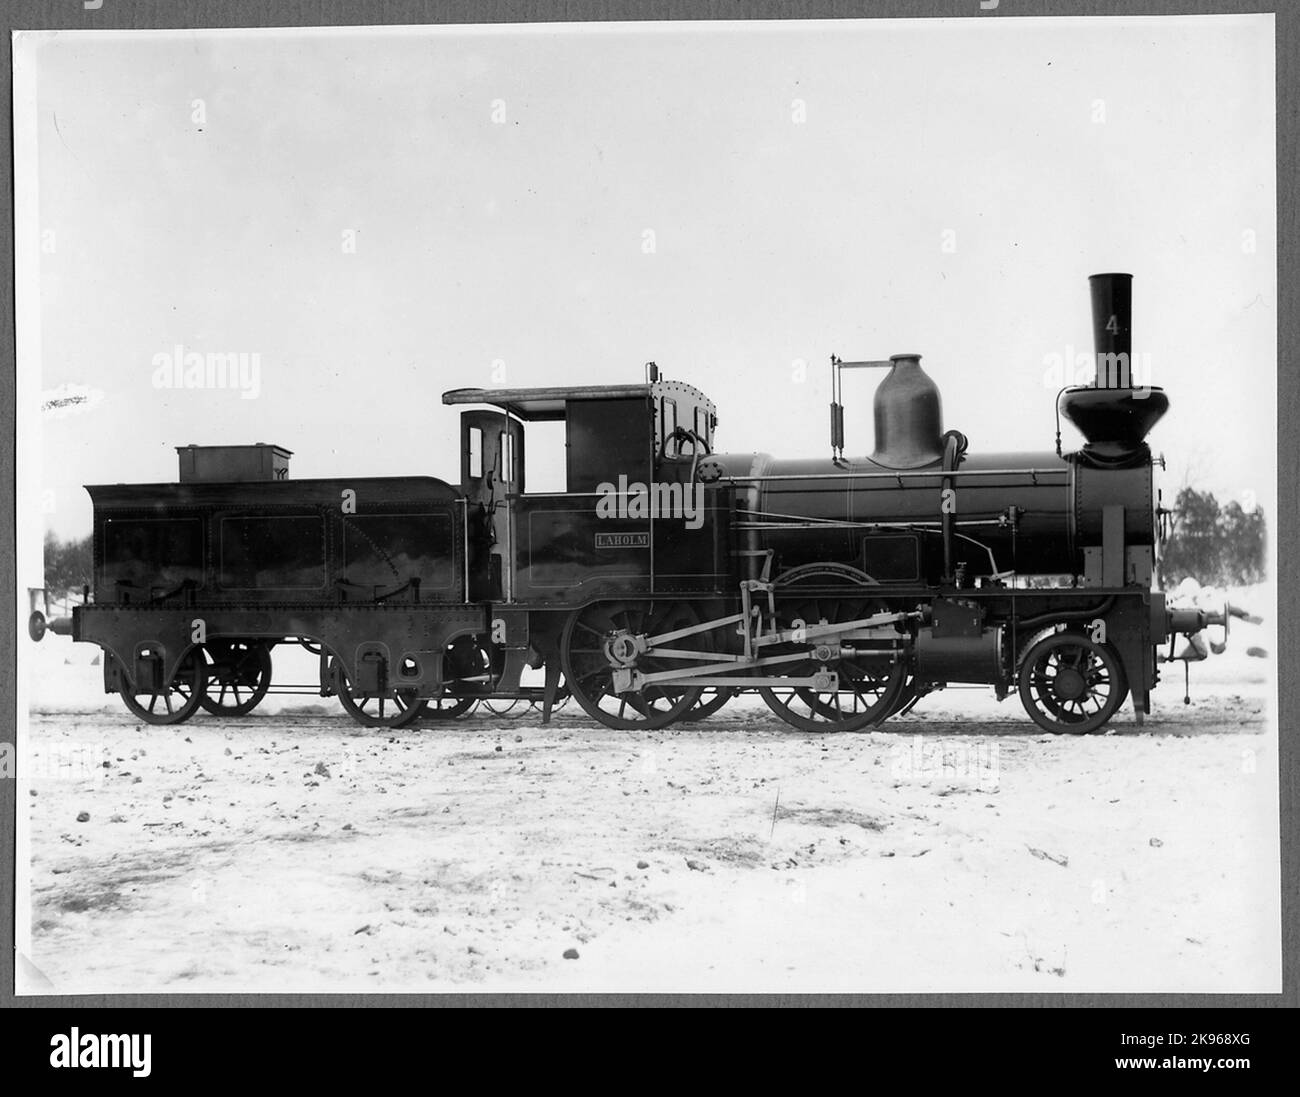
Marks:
<point>549,403</point>
<point>543,403</point>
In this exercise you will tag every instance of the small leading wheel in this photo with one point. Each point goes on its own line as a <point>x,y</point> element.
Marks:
<point>599,637</point>
<point>1070,683</point>
<point>178,701</point>
<point>374,710</point>
<point>238,677</point>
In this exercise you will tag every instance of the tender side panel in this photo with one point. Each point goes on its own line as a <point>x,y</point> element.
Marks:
<point>295,542</point>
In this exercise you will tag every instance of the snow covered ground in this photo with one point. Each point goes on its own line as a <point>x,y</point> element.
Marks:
<point>955,849</point>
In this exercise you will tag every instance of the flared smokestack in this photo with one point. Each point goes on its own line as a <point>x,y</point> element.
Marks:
<point>1114,416</point>
<point>1112,323</point>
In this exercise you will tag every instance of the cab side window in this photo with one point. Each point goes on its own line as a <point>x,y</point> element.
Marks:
<point>669,444</point>
<point>476,452</point>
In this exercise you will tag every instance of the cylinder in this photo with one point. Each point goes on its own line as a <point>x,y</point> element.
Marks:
<point>1112,320</point>
<point>960,658</point>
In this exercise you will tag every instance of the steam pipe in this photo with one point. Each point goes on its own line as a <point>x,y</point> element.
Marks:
<point>1065,615</point>
<point>954,444</point>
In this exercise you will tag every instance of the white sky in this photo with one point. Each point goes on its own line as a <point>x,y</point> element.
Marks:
<point>523,242</point>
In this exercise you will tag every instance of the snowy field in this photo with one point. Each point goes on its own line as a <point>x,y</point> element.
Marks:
<point>956,849</point>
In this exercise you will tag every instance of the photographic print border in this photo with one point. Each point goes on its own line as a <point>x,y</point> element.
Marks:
<point>128,15</point>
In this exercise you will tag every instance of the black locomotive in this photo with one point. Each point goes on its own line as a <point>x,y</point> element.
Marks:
<point>667,577</point>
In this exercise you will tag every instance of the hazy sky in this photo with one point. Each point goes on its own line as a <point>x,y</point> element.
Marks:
<point>860,188</point>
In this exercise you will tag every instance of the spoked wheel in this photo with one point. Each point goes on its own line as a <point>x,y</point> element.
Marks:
<point>1069,683</point>
<point>238,677</point>
<point>178,701</point>
<point>468,666</point>
<point>711,700</point>
<point>865,695</point>
<point>869,686</point>
<point>374,710</point>
<point>467,669</point>
<point>598,636</point>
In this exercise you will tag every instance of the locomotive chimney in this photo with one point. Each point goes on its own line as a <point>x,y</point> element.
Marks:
<point>1112,320</point>
<point>1113,414</point>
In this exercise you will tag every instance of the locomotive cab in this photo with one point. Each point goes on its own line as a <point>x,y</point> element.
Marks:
<point>626,448</point>
<point>492,466</point>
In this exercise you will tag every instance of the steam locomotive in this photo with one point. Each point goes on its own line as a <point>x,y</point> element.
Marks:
<point>667,577</point>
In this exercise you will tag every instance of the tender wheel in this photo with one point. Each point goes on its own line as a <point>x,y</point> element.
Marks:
<point>468,666</point>
<point>178,701</point>
<point>711,700</point>
<point>592,637</point>
<point>869,688</point>
<point>238,677</point>
<point>1069,683</point>
<point>468,670</point>
<point>375,710</point>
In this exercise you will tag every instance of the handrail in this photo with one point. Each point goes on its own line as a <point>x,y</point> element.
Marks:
<point>940,473</point>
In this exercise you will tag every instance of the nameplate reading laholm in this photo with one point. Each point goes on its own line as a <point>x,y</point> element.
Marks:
<point>622,540</point>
